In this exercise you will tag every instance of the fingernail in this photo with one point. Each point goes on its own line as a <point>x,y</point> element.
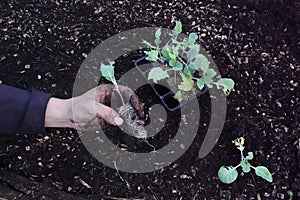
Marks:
<point>118,120</point>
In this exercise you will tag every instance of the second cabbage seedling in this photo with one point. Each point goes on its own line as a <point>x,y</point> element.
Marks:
<point>228,174</point>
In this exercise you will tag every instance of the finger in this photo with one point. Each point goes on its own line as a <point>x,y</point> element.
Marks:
<point>108,114</point>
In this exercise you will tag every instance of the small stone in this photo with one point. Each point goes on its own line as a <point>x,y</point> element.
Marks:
<point>27,148</point>
<point>161,120</point>
<point>40,164</point>
<point>39,77</point>
<point>182,146</point>
<point>278,104</point>
<point>84,55</point>
<point>258,197</point>
<point>266,194</point>
<point>27,66</point>
<point>183,176</point>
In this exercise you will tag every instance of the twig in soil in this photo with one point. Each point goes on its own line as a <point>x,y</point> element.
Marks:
<point>117,169</point>
<point>230,58</point>
<point>154,194</point>
<point>147,142</point>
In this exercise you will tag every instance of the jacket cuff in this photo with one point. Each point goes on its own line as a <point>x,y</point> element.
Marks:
<point>34,117</point>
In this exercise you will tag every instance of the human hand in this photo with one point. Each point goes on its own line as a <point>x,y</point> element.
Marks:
<point>87,111</point>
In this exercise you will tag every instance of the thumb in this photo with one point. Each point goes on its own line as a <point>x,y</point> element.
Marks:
<point>108,114</point>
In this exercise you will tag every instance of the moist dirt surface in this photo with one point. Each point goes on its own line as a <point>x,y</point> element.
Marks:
<point>254,42</point>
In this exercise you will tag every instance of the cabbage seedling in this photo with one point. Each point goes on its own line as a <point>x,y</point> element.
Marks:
<point>126,110</point>
<point>228,174</point>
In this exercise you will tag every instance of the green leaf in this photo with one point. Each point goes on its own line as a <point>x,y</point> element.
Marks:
<point>158,33</point>
<point>178,96</point>
<point>157,42</point>
<point>193,52</point>
<point>168,52</point>
<point>207,81</point>
<point>227,174</point>
<point>186,84</point>
<point>172,62</point>
<point>171,54</point>
<point>108,71</point>
<point>201,62</point>
<point>249,156</point>
<point>165,52</point>
<point>227,85</point>
<point>178,66</point>
<point>290,194</point>
<point>239,143</point>
<point>246,167</point>
<point>200,83</point>
<point>188,70</point>
<point>152,55</point>
<point>264,173</point>
<point>193,37</point>
<point>157,37</point>
<point>157,74</point>
<point>177,29</point>
<point>210,73</point>
<point>186,42</point>
<point>175,50</point>
<point>148,44</point>
<point>175,64</point>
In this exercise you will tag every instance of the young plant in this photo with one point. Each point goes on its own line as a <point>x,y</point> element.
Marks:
<point>108,72</point>
<point>183,57</point>
<point>228,174</point>
<point>126,110</point>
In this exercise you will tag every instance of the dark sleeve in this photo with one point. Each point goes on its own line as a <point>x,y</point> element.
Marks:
<point>22,111</point>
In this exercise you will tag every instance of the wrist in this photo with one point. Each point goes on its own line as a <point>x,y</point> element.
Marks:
<point>59,113</point>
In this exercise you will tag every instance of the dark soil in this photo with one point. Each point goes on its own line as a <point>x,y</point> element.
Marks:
<point>254,42</point>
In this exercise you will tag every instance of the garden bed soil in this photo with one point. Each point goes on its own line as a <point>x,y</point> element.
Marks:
<point>256,43</point>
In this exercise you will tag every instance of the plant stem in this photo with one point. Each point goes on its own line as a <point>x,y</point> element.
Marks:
<point>237,166</point>
<point>185,64</point>
<point>252,167</point>
<point>242,155</point>
<point>175,77</point>
<point>117,89</point>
